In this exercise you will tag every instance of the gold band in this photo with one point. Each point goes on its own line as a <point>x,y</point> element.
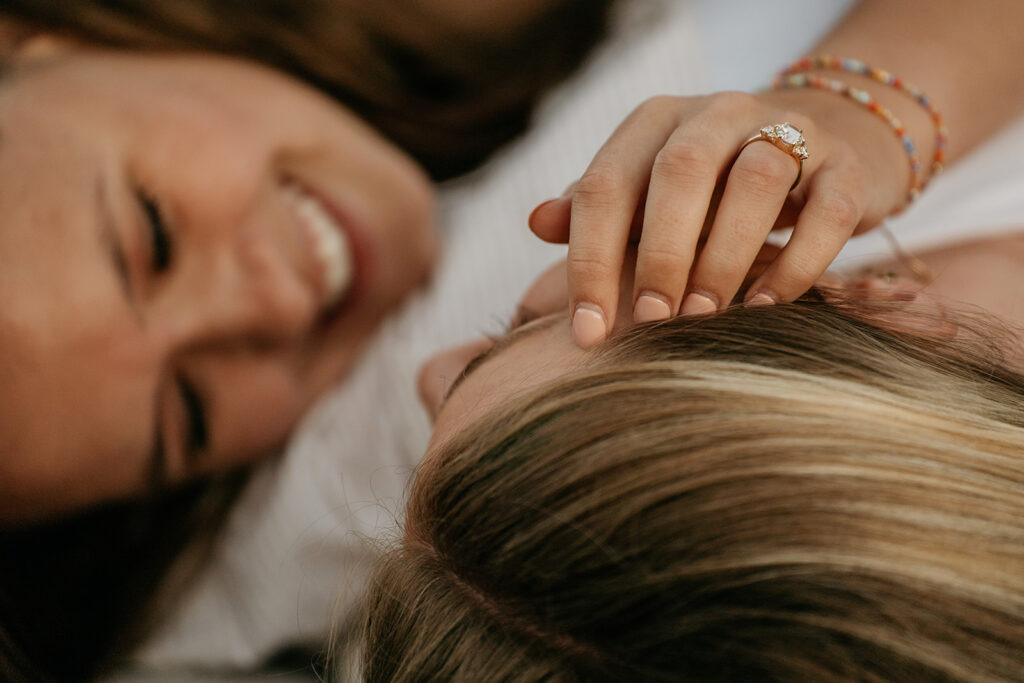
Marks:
<point>787,138</point>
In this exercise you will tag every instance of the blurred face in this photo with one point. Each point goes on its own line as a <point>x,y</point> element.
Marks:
<point>191,250</point>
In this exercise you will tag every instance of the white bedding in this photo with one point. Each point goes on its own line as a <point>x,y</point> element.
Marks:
<point>299,544</point>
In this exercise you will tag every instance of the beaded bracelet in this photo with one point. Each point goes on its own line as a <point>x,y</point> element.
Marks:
<point>801,80</point>
<point>832,63</point>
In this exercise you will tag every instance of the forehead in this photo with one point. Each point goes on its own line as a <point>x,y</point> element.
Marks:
<point>127,93</point>
<point>543,352</point>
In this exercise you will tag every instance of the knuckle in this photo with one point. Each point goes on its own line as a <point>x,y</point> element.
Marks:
<point>841,149</point>
<point>598,183</point>
<point>662,263</point>
<point>588,267</point>
<point>763,170</point>
<point>857,175</point>
<point>723,268</point>
<point>729,101</point>
<point>657,104</point>
<point>684,160</point>
<point>839,209</point>
<point>717,270</point>
<point>797,276</point>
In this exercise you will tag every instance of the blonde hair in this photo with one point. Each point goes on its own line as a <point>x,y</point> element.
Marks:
<point>779,493</point>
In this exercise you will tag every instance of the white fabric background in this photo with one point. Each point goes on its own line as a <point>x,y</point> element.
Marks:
<point>299,544</point>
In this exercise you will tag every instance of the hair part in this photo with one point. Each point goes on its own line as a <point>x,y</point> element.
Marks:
<point>778,493</point>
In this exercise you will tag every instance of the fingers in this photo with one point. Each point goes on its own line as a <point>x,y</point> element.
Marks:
<point>669,172</point>
<point>603,206</point>
<point>834,208</point>
<point>550,220</point>
<point>683,180</point>
<point>755,190</point>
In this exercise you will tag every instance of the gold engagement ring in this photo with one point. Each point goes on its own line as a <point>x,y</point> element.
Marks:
<point>789,139</point>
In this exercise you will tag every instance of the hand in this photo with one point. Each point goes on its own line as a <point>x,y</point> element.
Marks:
<point>670,177</point>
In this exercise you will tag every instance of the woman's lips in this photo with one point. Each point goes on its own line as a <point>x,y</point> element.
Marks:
<point>329,245</point>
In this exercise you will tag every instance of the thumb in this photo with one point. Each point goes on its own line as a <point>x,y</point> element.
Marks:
<point>550,220</point>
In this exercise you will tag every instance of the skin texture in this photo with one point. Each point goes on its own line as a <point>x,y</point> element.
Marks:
<point>93,364</point>
<point>670,179</point>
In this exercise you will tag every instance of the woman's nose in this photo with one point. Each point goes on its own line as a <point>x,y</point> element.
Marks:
<point>442,369</point>
<point>251,293</point>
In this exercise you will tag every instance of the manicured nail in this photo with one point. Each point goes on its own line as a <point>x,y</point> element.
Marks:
<point>759,299</point>
<point>650,306</point>
<point>588,325</point>
<point>697,304</point>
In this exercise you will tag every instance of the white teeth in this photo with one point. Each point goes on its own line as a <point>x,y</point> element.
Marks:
<point>331,245</point>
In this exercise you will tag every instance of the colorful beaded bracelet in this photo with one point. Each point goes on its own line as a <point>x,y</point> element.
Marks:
<point>800,80</point>
<point>882,76</point>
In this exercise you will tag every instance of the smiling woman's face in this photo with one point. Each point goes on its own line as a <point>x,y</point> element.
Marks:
<point>191,250</point>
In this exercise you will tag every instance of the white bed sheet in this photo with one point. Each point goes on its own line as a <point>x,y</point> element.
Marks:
<point>300,542</point>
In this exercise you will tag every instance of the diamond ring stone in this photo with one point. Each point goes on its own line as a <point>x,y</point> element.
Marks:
<point>786,137</point>
<point>791,138</point>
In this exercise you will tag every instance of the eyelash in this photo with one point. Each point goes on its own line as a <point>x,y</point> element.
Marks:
<point>197,434</point>
<point>473,362</point>
<point>159,238</point>
<point>521,317</point>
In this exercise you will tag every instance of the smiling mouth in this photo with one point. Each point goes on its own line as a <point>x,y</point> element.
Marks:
<point>330,246</point>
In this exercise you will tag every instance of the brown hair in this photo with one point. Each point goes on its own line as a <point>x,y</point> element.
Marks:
<point>777,493</point>
<point>447,94</point>
<point>78,592</point>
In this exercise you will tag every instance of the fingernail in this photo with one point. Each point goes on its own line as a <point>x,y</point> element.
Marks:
<point>650,306</point>
<point>697,304</point>
<point>538,208</point>
<point>588,325</point>
<point>759,299</point>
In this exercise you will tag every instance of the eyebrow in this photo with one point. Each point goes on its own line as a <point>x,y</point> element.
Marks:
<point>512,338</point>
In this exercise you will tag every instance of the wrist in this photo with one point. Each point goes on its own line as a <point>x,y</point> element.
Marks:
<point>896,92</point>
<point>916,116</point>
<point>869,137</point>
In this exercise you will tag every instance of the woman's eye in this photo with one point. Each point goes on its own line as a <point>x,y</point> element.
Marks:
<point>197,430</point>
<point>521,317</point>
<point>159,238</point>
<point>472,365</point>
